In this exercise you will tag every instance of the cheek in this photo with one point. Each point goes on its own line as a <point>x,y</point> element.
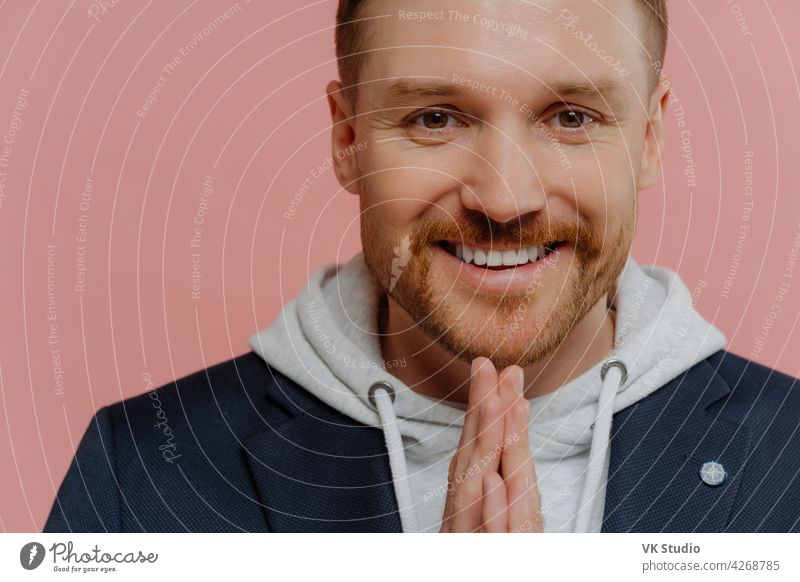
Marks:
<point>604,185</point>
<point>391,201</point>
<point>388,214</point>
<point>404,186</point>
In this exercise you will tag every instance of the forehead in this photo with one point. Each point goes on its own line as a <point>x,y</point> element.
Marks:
<point>551,42</point>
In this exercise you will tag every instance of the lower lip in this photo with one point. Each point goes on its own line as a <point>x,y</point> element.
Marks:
<point>510,279</point>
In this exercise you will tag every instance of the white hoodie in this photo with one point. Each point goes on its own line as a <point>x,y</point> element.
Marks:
<point>327,341</point>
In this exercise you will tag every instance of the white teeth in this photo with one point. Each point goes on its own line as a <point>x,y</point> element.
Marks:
<point>494,258</point>
<point>510,258</point>
<point>468,253</point>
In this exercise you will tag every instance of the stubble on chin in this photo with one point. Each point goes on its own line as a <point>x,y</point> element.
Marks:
<point>454,325</point>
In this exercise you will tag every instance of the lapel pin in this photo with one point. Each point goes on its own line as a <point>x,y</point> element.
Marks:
<point>712,473</point>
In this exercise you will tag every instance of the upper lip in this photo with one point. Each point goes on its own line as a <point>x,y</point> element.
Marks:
<point>502,246</point>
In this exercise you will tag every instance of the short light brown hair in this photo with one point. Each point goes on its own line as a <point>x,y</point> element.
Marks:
<point>353,38</point>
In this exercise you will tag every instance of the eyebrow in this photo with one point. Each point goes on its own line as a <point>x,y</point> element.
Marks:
<point>405,90</point>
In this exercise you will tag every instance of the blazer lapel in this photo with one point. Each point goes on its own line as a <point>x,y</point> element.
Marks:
<point>321,472</point>
<point>658,447</point>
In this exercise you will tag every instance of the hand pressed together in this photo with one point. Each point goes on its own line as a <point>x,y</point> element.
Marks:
<point>492,479</point>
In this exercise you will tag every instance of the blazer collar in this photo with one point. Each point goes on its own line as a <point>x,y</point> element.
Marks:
<point>320,471</point>
<point>658,447</point>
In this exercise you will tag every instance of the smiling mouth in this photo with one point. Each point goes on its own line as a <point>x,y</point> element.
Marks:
<point>499,259</point>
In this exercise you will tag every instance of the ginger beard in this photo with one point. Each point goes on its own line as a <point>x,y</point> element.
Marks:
<point>509,328</point>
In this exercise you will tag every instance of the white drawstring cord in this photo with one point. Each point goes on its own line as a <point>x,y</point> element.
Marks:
<point>612,384</point>
<point>381,395</point>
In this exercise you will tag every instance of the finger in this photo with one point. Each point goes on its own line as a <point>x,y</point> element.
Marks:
<point>524,502</point>
<point>495,503</point>
<point>517,466</point>
<point>516,453</point>
<point>524,509</point>
<point>463,503</point>
<point>483,382</point>
<point>467,502</point>
<point>489,441</point>
<point>518,469</point>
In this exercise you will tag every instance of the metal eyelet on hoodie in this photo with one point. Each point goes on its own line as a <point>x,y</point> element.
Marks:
<point>598,450</point>
<point>612,362</point>
<point>396,452</point>
<point>380,385</point>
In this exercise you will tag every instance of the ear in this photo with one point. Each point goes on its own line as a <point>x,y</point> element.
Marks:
<point>343,138</point>
<point>650,168</point>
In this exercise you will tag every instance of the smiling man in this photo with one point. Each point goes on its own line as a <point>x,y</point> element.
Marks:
<point>494,360</point>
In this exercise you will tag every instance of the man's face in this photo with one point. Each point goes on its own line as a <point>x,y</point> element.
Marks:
<point>540,143</point>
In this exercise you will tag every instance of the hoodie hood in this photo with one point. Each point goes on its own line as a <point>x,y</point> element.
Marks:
<point>327,341</point>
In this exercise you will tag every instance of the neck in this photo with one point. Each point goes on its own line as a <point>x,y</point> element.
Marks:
<point>436,373</point>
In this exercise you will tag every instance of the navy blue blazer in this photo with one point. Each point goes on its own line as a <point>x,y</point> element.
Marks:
<point>240,447</point>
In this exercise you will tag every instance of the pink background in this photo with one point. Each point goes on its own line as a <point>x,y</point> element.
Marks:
<point>246,106</point>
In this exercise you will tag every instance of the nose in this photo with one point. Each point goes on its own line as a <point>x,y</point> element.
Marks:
<point>503,182</point>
